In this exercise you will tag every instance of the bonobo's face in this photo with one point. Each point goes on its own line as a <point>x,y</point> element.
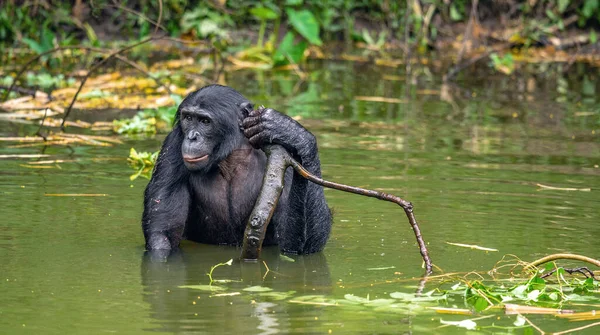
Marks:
<point>199,140</point>
<point>210,122</point>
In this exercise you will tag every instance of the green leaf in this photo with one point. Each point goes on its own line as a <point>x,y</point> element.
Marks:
<point>533,295</point>
<point>480,304</point>
<point>593,37</point>
<point>305,24</point>
<point>589,8</point>
<point>562,5</point>
<point>550,14</point>
<point>538,283</point>
<point>208,27</point>
<point>455,15</point>
<point>520,290</point>
<point>288,51</point>
<point>264,13</point>
<point>33,45</point>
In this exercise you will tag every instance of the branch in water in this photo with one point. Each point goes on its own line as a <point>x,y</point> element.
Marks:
<point>278,159</point>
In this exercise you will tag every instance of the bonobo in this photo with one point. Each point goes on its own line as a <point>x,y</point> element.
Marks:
<point>210,170</point>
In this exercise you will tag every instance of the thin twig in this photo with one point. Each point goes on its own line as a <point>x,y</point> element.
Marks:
<point>583,270</point>
<point>459,67</point>
<point>569,331</point>
<point>157,24</point>
<point>468,31</point>
<point>407,206</point>
<point>532,324</point>
<point>160,13</point>
<point>39,131</point>
<point>546,187</point>
<point>407,50</point>
<point>554,257</point>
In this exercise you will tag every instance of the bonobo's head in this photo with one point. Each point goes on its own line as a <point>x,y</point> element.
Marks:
<point>209,119</point>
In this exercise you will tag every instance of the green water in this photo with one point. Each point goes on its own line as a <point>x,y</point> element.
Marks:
<point>469,160</point>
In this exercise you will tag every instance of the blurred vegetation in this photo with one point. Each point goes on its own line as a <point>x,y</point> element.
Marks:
<point>142,162</point>
<point>56,46</point>
<point>279,31</point>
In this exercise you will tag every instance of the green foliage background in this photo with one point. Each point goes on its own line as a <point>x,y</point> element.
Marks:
<point>40,24</point>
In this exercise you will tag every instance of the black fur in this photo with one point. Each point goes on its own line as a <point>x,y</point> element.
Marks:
<point>208,196</point>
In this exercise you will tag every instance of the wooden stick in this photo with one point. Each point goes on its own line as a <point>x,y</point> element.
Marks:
<point>278,159</point>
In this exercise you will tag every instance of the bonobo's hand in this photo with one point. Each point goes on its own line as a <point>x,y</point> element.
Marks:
<point>267,126</point>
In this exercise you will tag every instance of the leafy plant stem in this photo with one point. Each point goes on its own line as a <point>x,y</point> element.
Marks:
<point>212,269</point>
<point>261,33</point>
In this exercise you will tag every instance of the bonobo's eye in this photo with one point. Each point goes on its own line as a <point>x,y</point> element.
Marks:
<point>187,117</point>
<point>205,120</point>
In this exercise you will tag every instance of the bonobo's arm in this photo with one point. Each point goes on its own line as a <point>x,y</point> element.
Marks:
<point>308,220</point>
<point>167,197</point>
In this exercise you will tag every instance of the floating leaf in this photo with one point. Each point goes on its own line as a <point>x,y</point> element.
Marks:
<point>472,246</point>
<point>411,297</point>
<point>381,268</point>
<point>380,302</point>
<point>481,304</point>
<point>286,258</point>
<point>402,296</point>
<point>467,324</point>
<point>310,297</point>
<point>277,295</point>
<point>257,289</point>
<point>353,298</point>
<point>520,321</point>
<point>211,288</point>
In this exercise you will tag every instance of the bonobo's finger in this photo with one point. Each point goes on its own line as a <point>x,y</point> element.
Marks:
<point>249,132</point>
<point>268,113</point>
<point>255,112</point>
<point>259,139</point>
<point>251,121</point>
<point>259,111</point>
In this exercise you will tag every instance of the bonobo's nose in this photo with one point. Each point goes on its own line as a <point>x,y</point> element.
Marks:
<point>193,135</point>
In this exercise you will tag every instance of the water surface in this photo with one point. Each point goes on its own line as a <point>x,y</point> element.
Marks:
<point>468,155</point>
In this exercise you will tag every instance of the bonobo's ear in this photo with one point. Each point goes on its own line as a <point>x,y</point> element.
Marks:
<point>246,108</point>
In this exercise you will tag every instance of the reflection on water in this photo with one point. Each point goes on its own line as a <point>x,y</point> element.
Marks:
<point>469,155</point>
<point>177,310</point>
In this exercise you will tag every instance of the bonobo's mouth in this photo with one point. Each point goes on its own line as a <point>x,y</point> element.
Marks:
<point>194,159</point>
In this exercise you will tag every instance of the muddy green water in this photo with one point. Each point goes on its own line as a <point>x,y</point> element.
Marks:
<point>468,156</point>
